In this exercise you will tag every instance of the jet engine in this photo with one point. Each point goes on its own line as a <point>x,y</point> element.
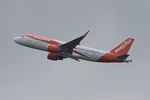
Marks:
<point>54,56</point>
<point>53,48</point>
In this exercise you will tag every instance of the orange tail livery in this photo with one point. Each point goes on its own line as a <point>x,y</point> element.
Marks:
<point>123,48</point>
<point>119,53</point>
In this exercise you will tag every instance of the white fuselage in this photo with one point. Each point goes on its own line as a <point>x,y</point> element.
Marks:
<point>90,53</point>
<point>80,52</point>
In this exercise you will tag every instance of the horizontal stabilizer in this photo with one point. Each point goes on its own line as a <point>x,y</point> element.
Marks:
<point>122,57</point>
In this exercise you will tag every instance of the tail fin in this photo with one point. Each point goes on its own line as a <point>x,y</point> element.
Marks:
<point>123,48</point>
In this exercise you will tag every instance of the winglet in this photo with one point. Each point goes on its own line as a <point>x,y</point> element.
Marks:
<point>86,33</point>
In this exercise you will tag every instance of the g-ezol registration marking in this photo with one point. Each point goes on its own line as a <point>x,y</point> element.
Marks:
<point>58,50</point>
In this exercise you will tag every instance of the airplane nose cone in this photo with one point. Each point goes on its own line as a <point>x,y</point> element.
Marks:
<point>17,39</point>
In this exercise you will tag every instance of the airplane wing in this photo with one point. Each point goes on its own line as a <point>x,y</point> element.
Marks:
<point>68,47</point>
<point>68,55</point>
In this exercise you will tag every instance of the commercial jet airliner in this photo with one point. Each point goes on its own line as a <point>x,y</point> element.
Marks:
<point>58,50</point>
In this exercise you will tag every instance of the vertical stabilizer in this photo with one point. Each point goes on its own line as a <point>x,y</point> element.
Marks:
<point>123,48</point>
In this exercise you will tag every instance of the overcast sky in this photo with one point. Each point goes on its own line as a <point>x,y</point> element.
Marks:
<point>26,74</point>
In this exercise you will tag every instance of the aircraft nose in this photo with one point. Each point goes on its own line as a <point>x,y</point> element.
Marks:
<point>17,39</point>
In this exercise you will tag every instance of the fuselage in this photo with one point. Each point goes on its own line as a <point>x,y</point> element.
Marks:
<point>79,52</point>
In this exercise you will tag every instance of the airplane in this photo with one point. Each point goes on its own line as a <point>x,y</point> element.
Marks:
<point>58,50</point>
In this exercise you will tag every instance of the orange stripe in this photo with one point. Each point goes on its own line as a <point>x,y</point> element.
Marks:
<point>109,57</point>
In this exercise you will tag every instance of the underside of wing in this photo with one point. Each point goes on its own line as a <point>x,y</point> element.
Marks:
<point>68,47</point>
<point>68,55</point>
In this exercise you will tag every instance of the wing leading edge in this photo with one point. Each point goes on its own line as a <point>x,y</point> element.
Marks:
<point>67,48</point>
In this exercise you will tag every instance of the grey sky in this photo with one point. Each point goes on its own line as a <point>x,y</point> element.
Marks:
<point>26,74</point>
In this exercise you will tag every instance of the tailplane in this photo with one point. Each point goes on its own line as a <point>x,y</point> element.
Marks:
<point>122,49</point>
<point>122,57</point>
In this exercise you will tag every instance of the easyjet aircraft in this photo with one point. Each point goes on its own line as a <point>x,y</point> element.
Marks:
<point>58,50</point>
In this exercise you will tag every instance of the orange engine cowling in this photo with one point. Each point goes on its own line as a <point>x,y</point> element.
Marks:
<point>53,48</point>
<point>53,56</point>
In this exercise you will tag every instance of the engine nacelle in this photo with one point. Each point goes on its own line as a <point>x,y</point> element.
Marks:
<point>53,48</point>
<point>53,56</point>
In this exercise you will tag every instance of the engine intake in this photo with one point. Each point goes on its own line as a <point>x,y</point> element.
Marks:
<point>53,56</point>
